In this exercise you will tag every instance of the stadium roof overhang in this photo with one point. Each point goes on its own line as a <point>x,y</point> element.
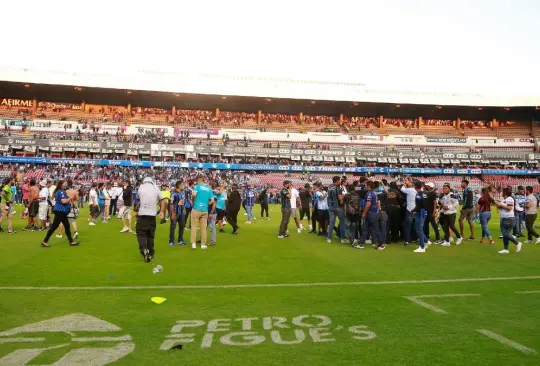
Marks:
<point>155,99</point>
<point>259,87</point>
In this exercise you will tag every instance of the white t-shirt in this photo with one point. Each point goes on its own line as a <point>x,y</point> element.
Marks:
<point>43,193</point>
<point>149,197</point>
<point>93,197</point>
<point>531,199</point>
<point>294,196</point>
<point>505,214</point>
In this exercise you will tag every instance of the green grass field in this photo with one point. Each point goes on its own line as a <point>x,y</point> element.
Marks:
<point>255,299</point>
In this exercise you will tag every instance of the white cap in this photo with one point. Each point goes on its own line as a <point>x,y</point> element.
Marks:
<point>43,183</point>
<point>430,185</point>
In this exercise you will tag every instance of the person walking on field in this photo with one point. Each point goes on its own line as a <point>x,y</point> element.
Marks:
<point>531,206</point>
<point>32,199</point>
<point>74,212</point>
<point>61,209</point>
<point>125,211</point>
<point>202,198</point>
<point>467,210</point>
<point>508,220</point>
<point>234,202</point>
<point>149,197</point>
<point>285,199</point>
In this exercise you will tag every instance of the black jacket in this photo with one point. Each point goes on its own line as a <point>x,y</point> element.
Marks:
<point>234,201</point>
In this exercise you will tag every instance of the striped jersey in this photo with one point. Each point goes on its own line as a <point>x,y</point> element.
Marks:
<point>249,197</point>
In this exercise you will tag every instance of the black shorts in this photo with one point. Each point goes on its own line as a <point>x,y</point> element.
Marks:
<point>33,209</point>
<point>220,214</point>
<point>324,215</point>
<point>94,211</point>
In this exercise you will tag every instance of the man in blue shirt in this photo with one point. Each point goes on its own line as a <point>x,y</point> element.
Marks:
<point>178,214</point>
<point>370,216</point>
<point>249,200</point>
<point>202,197</point>
<point>336,209</point>
<point>420,214</point>
<point>221,199</point>
<point>188,194</point>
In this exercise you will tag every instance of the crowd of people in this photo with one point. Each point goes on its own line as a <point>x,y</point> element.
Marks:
<point>365,211</point>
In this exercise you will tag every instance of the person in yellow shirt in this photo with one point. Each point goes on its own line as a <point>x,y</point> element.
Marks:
<point>166,193</point>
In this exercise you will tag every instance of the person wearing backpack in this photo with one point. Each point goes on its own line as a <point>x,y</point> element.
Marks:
<point>352,213</point>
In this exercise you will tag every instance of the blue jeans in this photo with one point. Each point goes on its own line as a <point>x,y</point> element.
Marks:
<point>407,225</point>
<point>419,228</point>
<point>340,214</point>
<point>383,231</point>
<point>371,224</point>
<point>352,223</point>
<point>519,219</point>
<point>102,212</point>
<point>249,210</point>
<point>180,221</point>
<point>507,226</point>
<point>212,226</point>
<point>485,216</point>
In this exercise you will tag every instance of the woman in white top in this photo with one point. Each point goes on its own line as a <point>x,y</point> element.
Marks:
<point>508,220</point>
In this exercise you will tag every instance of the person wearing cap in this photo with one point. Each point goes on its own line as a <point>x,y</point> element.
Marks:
<point>285,200</point>
<point>149,197</point>
<point>431,214</point>
<point>420,214</point>
<point>43,198</point>
<point>202,198</point>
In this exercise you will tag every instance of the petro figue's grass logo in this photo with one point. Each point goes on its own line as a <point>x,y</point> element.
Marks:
<point>82,328</point>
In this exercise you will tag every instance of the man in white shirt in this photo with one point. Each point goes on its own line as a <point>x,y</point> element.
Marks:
<point>149,196</point>
<point>43,198</point>
<point>531,207</point>
<point>295,195</point>
<point>93,204</point>
<point>410,193</point>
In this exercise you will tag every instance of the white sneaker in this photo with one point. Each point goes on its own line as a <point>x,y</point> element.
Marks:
<point>245,213</point>
<point>344,241</point>
<point>355,242</point>
<point>419,250</point>
<point>429,242</point>
<point>537,241</point>
<point>329,241</point>
<point>124,230</point>
<point>528,241</point>
<point>310,227</point>
<point>445,244</point>
<point>299,231</point>
<point>368,241</point>
<point>459,241</point>
<point>504,251</point>
<point>59,236</point>
<point>302,228</point>
<point>203,246</point>
<point>75,235</point>
<point>280,237</point>
<point>518,248</point>
<point>92,224</point>
<point>451,239</point>
<point>248,222</point>
<point>193,246</point>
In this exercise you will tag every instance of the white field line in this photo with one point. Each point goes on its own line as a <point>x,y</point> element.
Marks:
<point>499,338</point>
<point>528,292</point>
<point>263,285</point>
<point>21,340</point>
<point>416,300</point>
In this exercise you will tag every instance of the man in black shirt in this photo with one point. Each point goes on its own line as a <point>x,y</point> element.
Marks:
<point>305,198</point>
<point>125,212</point>
<point>430,204</point>
<point>394,204</point>
<point>234,201</point>
<point>285,200</point>
<point>263,201</point>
